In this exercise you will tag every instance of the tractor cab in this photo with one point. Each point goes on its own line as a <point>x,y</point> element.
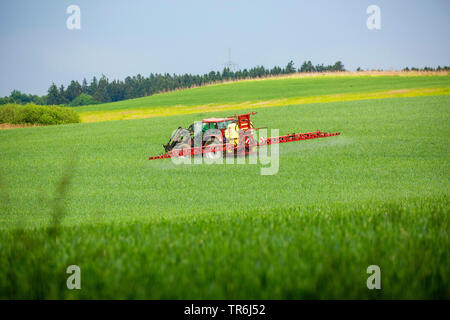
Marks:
<point>229,128</point>
<point>200,127</point>
<point>216,123</point>
<point>243,121</point>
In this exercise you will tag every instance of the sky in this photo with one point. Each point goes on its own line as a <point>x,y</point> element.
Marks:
<point>120,38</point>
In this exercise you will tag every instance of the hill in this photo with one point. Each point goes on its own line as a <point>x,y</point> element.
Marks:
<point>270,92</point>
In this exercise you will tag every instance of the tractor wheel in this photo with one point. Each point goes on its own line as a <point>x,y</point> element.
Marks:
<point>213,155</point>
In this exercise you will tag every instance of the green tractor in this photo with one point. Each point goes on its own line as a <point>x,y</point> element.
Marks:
<point>195,134</point>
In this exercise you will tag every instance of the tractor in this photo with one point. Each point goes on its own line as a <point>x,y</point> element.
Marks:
<point>215,133</point>
<point>230,134</point>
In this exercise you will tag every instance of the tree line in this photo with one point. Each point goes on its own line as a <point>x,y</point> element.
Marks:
<point>103,90</point>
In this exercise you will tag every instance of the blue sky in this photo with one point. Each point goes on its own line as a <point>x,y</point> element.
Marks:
<point>122,38</point>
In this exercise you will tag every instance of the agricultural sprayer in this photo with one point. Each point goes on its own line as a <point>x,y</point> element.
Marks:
<point>233,134</point>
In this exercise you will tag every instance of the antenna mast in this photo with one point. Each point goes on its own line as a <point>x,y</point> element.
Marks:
<point>230,64</point>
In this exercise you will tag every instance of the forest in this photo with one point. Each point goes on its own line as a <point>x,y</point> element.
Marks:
<point>105,90</point>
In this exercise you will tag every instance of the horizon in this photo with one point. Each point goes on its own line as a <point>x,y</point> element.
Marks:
<point>120,39</point>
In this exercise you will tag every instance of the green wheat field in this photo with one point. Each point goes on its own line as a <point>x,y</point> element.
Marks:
<point>86,194</point>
